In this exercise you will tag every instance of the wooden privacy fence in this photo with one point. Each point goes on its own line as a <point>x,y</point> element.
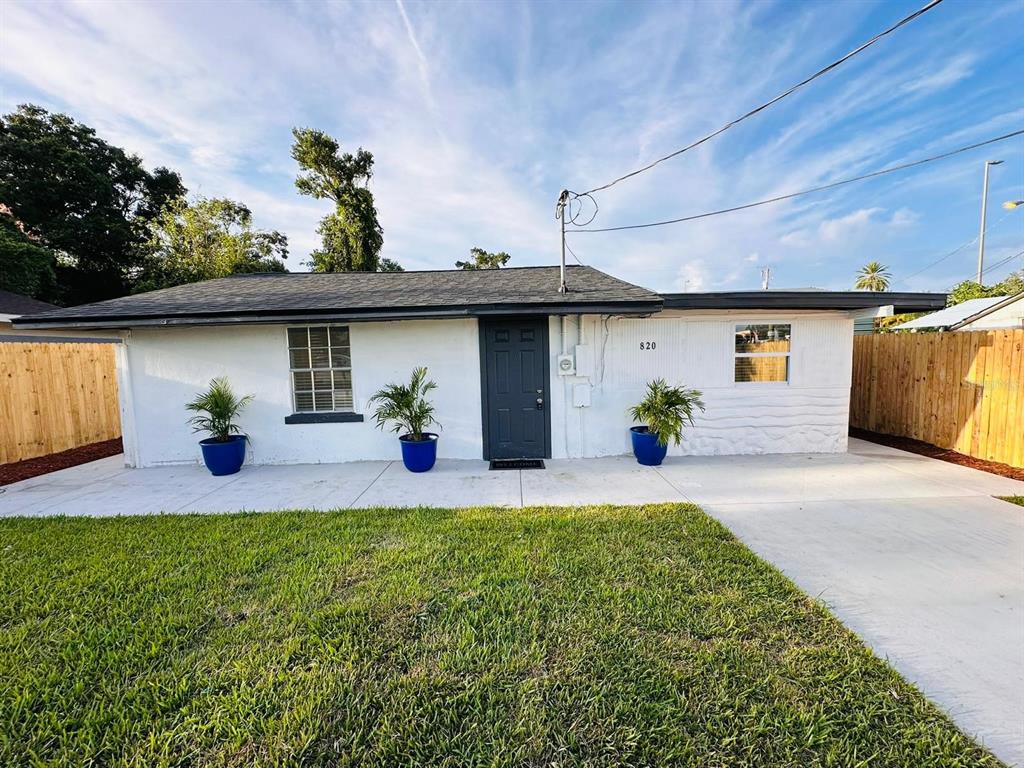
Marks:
<point>963,391</point>
<point>55,396</point>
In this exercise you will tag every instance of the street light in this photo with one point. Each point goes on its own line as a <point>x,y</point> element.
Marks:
<point>984,206</point>
<point>1009,205</point>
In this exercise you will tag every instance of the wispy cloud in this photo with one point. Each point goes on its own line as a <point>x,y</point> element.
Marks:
<point>478,114</point>
<point>953,71</point>
<point>424,70</point>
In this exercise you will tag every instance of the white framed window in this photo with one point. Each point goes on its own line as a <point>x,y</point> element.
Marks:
<point>321,368</point>
<point>762,352</point>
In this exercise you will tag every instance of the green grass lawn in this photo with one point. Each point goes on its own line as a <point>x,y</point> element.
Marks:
<point>592,636</point>
<point>1019,500</point>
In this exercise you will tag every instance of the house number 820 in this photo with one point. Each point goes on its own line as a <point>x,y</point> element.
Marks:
<point>648,345</point>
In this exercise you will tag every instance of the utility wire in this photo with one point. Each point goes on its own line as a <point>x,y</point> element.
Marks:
<point>822,188</point>
<point>1001,262</point>
<point>574,255</point>
<point>955,251</point>
<point>780,97</point>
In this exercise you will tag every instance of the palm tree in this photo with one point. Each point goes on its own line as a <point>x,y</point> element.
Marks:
<point>873,276</point>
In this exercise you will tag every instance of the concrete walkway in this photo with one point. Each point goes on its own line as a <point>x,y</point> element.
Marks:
<point>911,553</point>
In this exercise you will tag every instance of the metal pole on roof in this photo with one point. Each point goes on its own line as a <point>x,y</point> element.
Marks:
<point>563,198</point>
<point>984,208</point>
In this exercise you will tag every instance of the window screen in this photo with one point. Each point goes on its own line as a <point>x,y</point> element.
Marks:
<point>762,352</point>
<point>321,368</point>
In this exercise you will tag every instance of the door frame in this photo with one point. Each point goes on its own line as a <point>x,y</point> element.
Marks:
<point>483,323</point>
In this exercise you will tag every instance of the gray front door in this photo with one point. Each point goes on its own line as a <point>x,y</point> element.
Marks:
<point>514,356</point>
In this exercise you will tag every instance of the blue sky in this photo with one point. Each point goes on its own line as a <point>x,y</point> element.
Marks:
<point>479,113</point>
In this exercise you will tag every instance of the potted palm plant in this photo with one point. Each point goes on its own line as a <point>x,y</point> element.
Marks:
<point>664,411</point>
<point>410,413</point>
<point>216,410</point>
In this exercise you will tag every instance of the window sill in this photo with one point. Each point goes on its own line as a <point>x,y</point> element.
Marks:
<point>324,417</point>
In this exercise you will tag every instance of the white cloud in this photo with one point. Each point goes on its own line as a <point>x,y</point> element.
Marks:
<point>904,217</point>
<point>956,69</point>
<point>854,226</point>
<point>692,277</point>
<point>846,226</point>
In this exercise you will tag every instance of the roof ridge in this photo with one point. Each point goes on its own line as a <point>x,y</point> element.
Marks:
<point>412,271</point>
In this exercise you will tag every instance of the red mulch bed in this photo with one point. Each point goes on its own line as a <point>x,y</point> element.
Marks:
<point>23,470</point>
<point>943,454</point>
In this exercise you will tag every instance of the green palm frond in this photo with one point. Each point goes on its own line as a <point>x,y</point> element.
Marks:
<point>666,410</point>
<point>406,405</point>
<point>873,276</point>
<point>216,410</point>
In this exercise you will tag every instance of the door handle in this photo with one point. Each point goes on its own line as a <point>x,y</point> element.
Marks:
<point>540,403</point>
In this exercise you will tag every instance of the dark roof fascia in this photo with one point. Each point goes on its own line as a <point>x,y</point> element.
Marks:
<point>25,338</point>
<point>807,300</point>
<point>349,316</point>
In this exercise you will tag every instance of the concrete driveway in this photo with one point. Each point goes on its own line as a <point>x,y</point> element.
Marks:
<point>912,554</point>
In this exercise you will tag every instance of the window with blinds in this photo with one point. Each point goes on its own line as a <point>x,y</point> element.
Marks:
<point>762,352</point>
<point>321,368</point>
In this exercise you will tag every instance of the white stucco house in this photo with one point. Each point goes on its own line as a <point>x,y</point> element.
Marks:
<point>523,370</point>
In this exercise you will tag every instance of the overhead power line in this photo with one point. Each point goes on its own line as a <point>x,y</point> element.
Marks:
<point>955,251</point>
<point>1002,261</point>
<point>574,255</point>
<point>822,188</point>
<point>780,97</point>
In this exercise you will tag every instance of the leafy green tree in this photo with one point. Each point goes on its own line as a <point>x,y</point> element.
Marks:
<point>390,265</point>
<point>205,239</point>
<point>87,201</point>
<point>1011,285</point>
<point>351,236</point>
<point>482,259</point>
<point>873,276</point>
<point>27,266</point>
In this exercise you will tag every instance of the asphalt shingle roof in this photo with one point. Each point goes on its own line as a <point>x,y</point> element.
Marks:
<point>16,304</point>
<point>394,293</point>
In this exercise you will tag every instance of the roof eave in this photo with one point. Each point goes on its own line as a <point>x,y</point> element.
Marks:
<point>341,315</point>
<point>807,300</point>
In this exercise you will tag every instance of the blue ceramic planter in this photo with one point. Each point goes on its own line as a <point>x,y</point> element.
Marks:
<point>223,457</point>
<point>419,455</point>
<point>646,448</point>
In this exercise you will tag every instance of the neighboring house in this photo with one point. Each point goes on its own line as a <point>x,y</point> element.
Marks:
<point>14,305</point>
<point>863,326</point>
<point>1007,313</point>
<point>522,369</point>
<point>972,315</point>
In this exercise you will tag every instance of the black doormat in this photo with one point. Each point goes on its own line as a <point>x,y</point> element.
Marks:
<point>517,464</point>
